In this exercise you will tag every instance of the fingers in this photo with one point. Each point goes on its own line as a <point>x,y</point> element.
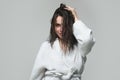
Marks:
<point>73,11</point>
<point>69,8</point>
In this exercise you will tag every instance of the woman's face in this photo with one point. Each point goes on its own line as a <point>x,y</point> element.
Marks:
<point>59,26</point>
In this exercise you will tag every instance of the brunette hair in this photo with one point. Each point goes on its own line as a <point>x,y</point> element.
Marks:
<point>68,38</point>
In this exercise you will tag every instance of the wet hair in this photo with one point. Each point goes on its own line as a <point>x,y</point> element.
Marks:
<point>68,38</point>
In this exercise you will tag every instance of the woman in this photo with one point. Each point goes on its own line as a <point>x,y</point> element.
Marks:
<point>63,56</point>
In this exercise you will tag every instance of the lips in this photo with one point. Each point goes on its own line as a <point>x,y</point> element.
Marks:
<point>60,34</point>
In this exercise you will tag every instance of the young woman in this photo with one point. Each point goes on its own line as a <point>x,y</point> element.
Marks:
<point>63,56</point>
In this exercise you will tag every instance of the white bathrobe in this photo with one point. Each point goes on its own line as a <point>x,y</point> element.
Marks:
<point>52,64</point>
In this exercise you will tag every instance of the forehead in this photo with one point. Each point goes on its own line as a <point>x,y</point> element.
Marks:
<point>59,19</point>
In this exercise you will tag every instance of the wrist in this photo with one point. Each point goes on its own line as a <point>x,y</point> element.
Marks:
<point>76,18</point>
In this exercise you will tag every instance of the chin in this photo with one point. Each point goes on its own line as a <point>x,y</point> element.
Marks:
<point>60,37</point>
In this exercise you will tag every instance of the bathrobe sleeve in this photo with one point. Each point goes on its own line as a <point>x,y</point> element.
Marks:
<point>84,36</point>
<point>39,65</point>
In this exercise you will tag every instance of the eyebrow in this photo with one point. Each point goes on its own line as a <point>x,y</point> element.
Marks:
<point>57,24</point>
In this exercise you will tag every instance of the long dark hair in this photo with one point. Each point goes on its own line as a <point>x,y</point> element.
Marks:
<point>68,39</point>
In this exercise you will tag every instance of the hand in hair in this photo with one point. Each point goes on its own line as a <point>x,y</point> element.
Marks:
<point>73,12</point>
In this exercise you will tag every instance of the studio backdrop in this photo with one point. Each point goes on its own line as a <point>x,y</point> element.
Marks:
<point>25,24</point>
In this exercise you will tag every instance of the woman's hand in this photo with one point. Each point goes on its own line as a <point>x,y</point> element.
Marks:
<point>73,12</point>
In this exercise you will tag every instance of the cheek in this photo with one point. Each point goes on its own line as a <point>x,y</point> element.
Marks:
<point>56,29</point>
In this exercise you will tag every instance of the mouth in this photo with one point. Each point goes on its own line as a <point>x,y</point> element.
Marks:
<point>60,33</point>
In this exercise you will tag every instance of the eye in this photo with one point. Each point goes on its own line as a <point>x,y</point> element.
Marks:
<point>57,25</point>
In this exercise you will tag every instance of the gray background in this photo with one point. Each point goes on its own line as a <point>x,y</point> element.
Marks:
<point>25,24</point>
